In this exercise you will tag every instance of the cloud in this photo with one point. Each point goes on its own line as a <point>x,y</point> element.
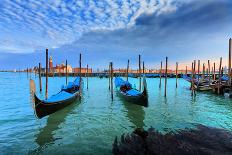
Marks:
<point>56,23</point>
<point>188,25</point>
<point>116,30</point>
<point>196,30</point>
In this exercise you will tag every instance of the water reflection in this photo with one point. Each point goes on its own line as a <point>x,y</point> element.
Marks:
<point>135,114</point>
<point>46,136</point>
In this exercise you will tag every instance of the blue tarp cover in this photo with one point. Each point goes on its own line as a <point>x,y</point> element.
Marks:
<point>120,82</point>
<point>133,92</point>
<point>59,97</point>
<point>75,83</point>
<point>186,78</point>
<point>224,78</point>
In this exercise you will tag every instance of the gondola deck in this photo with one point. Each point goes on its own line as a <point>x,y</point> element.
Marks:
<point>132,95</point>
<point>65,97</point>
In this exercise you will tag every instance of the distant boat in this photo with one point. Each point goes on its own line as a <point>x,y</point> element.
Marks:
<point>151,75</point>
<point>65,97</point>
<point>200,85</point>
<point>130,94</point>
<point>103,75</point>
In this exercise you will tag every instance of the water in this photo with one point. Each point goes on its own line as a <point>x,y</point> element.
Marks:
<point>89,126</point>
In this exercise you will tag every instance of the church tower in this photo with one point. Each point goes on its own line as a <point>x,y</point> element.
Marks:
<point>50,63</point>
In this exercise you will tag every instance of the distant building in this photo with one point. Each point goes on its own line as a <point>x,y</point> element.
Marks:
<point>83,70</point>
<point>62,68</point>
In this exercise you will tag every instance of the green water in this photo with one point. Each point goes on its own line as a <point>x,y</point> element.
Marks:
<point>89,126</point>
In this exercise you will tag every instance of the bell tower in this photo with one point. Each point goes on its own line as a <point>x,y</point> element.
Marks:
<point>50,63</point>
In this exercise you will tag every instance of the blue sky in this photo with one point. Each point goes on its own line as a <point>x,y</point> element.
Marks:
<point>113,30</point>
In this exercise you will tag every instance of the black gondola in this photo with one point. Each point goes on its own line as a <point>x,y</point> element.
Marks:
<point>65,97</point>
<point>130,94</point>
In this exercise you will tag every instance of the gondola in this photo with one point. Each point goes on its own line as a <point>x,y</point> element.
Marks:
<point>125,90</point>
<point>199,85</point>
<point>65,97</point>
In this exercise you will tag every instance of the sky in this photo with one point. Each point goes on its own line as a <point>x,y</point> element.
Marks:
<point>114,30</point>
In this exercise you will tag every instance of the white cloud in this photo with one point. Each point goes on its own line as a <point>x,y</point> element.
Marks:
<point>61,22</point>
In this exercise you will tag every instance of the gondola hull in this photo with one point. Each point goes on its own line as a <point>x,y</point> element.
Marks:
<point>43,109</point>
<point>125,91</point>
<point>139,100</point>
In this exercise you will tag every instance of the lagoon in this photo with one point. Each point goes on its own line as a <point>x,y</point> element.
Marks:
<point>89,126</point>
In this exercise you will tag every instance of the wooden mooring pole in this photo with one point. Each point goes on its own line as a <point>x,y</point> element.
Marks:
<point>127,69</point>
<point>160,74</point>
<point>166,76</point>
<point>140,72</point>
<point>194,76</point>
<point>109,76</point>
<point>194,62</point>
<point>209,70</point>
<point>80,64</point>
<point>66,71</point>
<point>229,66</point>
<point>40,81</point>
<point>186,70</point>
<point>192,81</point>
<point>111,84</point>
<point>176,74</point>
<point>203,73</point>
<point>59,71</point>
<point>143,73</point>
<point>219,84</point>
<point>143,69</point>
<point>87,77</point>
<point>214,75</point>
<point>222,72</point>
<point>46,90</point>
<point>198,71</point>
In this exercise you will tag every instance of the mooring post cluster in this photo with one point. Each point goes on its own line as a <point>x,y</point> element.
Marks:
<point>199,77</point>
